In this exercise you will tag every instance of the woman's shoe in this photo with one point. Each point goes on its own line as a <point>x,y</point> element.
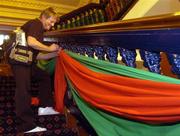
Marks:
<point>47,111</point>
<point>36,129</point>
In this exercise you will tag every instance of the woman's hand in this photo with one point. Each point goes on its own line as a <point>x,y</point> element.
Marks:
<point>54,47</point>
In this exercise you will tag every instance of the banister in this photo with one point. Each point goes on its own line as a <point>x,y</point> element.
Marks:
<point>149,35</point>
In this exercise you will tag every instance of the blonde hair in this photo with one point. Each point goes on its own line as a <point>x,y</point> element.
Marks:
<point>49,12</point>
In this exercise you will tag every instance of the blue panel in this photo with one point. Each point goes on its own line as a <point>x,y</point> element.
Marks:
<point>166,40</point>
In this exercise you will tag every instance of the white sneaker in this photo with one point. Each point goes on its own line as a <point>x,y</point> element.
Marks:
<point>36,129</point>
<point>47,111</point>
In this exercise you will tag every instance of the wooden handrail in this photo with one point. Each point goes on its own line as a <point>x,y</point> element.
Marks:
<point>153,22</point>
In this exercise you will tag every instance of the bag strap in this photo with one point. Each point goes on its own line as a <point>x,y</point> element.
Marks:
<point>13,45</point>
<point>5,53</point>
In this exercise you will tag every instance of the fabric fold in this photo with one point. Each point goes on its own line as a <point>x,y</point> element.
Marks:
<point>133,98</point>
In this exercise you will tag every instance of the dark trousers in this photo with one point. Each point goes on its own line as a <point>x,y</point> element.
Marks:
<point>23,75</point>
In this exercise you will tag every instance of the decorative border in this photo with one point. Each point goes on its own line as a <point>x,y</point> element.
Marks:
<point>17,12</point>
<point>32,5</point>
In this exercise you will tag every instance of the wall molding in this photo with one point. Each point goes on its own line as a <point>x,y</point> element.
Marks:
<point>17,12</point>
<point>35,5</point>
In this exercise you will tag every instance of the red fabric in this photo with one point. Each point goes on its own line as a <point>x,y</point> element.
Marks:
<point>143,100</point>
<point>34,101</point>
<point>59,85</point>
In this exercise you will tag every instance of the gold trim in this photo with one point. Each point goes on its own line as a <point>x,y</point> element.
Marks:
<point>17,12</point>
<point>35,5</point>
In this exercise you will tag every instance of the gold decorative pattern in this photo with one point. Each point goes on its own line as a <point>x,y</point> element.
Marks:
<point>17,12</point>
<point>34,5</point>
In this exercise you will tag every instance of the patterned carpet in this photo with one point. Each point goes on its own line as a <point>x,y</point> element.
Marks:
<point>55,124</point>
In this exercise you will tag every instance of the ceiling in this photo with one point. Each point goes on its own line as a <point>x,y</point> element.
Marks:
<point>63,2</point>
<point>14,13</point>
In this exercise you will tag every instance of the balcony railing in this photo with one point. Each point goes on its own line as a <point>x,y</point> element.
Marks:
<point>149,36</point>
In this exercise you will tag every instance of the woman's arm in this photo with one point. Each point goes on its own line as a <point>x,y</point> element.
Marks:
<point>32,42</point>
<point>45,56</point>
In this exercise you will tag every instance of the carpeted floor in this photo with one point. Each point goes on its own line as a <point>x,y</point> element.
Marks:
<point>55,124</point>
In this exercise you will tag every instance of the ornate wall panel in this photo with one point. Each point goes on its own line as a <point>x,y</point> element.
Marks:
<point>17,12</point>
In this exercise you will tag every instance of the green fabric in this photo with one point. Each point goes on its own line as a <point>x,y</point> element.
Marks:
<point>47,65</point>
<point>106,124</point>
<point>41,64</point>
<point>117,69</point>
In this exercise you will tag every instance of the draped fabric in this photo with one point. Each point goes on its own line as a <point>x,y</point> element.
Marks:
<point>106,124</point>
<point>47,65</point>
<point>134,96</point>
